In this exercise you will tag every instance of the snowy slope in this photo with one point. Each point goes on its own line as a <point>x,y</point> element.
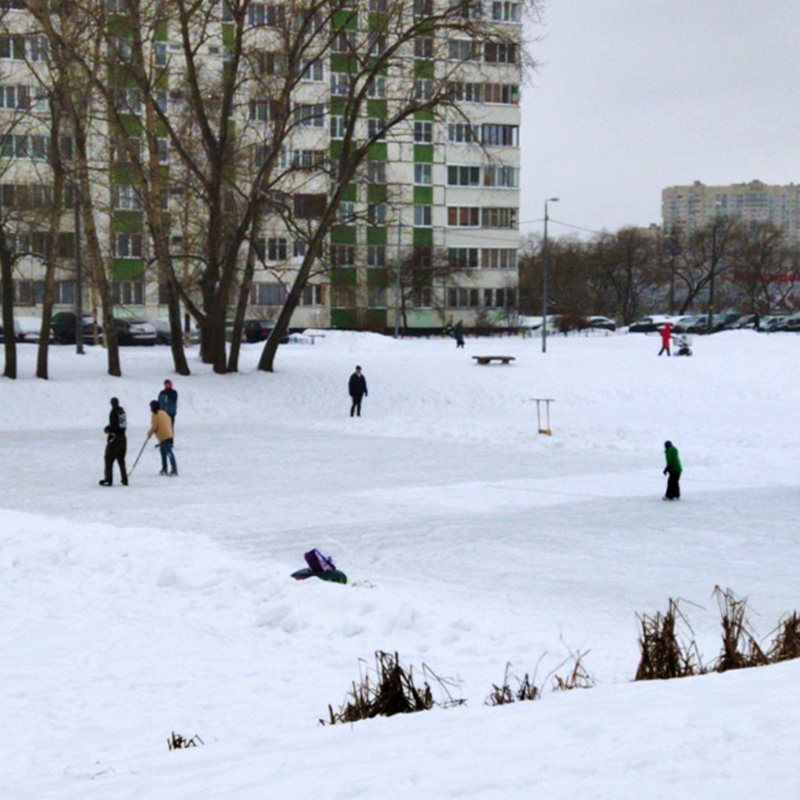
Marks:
<point>470,542</point>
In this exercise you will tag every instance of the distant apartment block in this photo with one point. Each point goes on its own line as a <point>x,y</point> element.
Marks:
<point>691,207</point>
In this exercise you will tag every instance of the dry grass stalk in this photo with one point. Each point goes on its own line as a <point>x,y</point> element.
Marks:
<point>739,646</point>
<point>178,742</point>
<point>786,644</point>
<point>503,695</point>
<point>576,678</point>
<point>664,655</point>
<point>393,692</point>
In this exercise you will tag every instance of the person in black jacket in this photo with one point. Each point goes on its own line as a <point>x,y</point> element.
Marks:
<point>168,400</point>
<point>117,444</point>
<point>358,390</point>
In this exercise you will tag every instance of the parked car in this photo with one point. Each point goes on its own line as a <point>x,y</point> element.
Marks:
<point>792,323</point>
<point>772,323</point>
<point>600,323</point>
<point>133,331</point>
<point>28,329</point>
<point>700,325</point>
<point>63,325</point>
<point>164,332</point>
<point>747,321</point>
<point>684,324</point>
<point>649,324</point>
<point>259,330</point>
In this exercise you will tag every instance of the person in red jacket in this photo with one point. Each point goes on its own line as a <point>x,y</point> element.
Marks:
<point>666,335</point>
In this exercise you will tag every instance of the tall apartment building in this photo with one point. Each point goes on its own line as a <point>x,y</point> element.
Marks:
<point>690,207</point>
<point>438,189</point>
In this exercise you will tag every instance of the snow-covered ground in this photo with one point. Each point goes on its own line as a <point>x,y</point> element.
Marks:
<point>470,541</point>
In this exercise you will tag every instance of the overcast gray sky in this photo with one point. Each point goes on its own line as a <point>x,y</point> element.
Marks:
<point>635,95</point>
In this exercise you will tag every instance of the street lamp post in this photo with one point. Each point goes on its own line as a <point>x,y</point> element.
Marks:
<point>714,260</point>
<point>78,278</point>
<point>545,275</point>
<point>672,246</point>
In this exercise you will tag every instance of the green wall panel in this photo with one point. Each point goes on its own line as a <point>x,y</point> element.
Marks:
<point>377,192</point>
<point>376,236</point>
<point>128,221</point>
<point>128,269</point>
<point>376,277</point>
<point>423,237</point>
<point>344,276</point>
<point>377,108</point>
<point>423,195</point>
<point>343,234</point>
<point>423,153</point>
<point>344,318</point>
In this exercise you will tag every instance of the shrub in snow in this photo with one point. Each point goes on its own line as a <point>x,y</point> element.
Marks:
<point>391,692</point>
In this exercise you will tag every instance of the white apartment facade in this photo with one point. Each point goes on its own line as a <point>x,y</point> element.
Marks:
<point>693,206</point>
<point>443,190</point>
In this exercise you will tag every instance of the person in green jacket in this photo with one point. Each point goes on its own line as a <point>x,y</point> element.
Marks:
<point>673,469</point>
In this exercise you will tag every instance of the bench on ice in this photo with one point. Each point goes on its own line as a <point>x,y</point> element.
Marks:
<point>489,359</point>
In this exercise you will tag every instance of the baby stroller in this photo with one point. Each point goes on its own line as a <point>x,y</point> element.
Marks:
<point>684,345</point>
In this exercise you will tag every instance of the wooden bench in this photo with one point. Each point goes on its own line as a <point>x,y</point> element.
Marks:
<point>489,359</point>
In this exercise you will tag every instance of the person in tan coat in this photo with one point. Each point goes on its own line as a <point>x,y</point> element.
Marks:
<point>161,426</point>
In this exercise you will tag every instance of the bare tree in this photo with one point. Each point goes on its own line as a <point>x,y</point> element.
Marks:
<point>384,50</point>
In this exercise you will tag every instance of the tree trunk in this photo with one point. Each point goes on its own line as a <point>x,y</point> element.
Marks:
<point>7,284</point>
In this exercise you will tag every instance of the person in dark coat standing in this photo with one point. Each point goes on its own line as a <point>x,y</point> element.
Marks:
<point>458,332</point>
<point>168,401</point>
<point>673,469</point>
<point>116,444</point>
<point>666,335</point>
<point>358,390</point>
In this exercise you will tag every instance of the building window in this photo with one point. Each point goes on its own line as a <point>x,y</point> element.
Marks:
<point>462,257</point>
<point>502,93</point>
<point>260,110</point>
<point>310,116</point>
<point>376,172</point>
<point>500,135</point>
<point>277,249</point>
<point>377,87</point>
<point>311,71</point>
<point>499,258</point>
<point>423,174</point>
<point>464,216</point>
<point>337,127</point>
<point>376,214</point>
<point>422,297</point>
<point>376,255</point>
<point>423,132</point>
<point>377,297</point>
<point>128,245</point>
<point>261,14</point>
<point>466,91</point>
<point>15,97</point>
<point>375,129</point>
<point>340,84</point>
<point>505,218</point>
<point>423,47</point>
<point>126,198</point>
<point>497,176</point>
<point>504,11</point>
<point>463,176</point>
<point>267,294</point>
<point>462,50</point>
<point>423,216</point>
<point>423,89</point>
<point>343,255</point>
<point>463,298</point>
<point>313,295</point>
<point>463,133</point>
<point>127,293</point>
<point>500,53</point>
<point>347,212</point>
